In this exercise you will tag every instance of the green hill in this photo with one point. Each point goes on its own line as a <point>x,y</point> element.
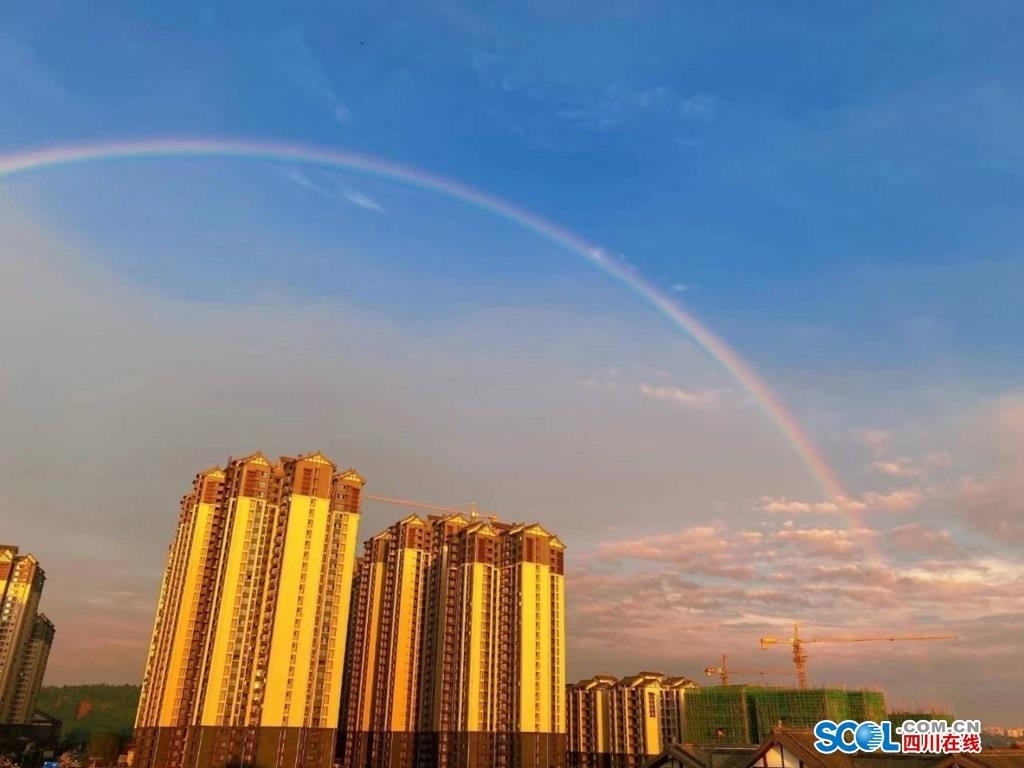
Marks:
<point>86,710</point>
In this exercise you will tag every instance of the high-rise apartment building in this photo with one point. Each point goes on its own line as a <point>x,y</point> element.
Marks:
<point>33,668</point>
<point>25,635</point>
<point>589,722</point>
<point>624,723</point>
<point>246,662</point>
<point>456,654</point>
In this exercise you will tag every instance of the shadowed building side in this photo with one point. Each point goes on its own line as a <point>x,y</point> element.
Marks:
<point>33,669</point>
<point>245,666</point>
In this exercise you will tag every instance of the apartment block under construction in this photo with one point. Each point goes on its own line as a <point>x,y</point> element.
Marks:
<point>456,654</point>
<point>745,714</point>
<point>624,723</point>
<point>25,635</point>
<point>246,661</point>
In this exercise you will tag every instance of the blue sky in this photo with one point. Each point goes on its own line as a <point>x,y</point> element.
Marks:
<point>814,163</point>
<point>835,190</point>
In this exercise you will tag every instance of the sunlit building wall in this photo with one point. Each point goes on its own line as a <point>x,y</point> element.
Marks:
<point>246,661</point>
<point>624,723</point>
<point>24,643</point>
<point>457,647</point>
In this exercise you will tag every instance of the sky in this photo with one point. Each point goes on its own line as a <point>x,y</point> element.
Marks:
<point>835,192</point>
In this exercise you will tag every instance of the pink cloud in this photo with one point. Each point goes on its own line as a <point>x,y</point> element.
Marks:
<point>895,501</point>
<point>916,538</point>
<point>903,500</point>
<point>823,541</point>
<point>876,440</point>
<point>684,397</point>
<point>897,468</point>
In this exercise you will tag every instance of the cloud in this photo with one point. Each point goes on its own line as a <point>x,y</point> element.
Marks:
<point>699,106</point>
<point>677,600</point>
<point>683,397</point>
<point>876,440</point>
<point>824,541</point>
<point>584,101</point>
<point>300,63</point>
<point>616,107</point>
<point>838,506</point>
<point>938,460</point>
<point>697,574</point>
<point>904,467</point>
<point>903,500</point>
<point>29,89</point>
<point>919,539</point>
<point>338,190</point>
<point>127,406</point>
<point>680,287</point>
<point>897,468</point>
<point>993,503</point>
<point>363,201</point>
<point>304,181</point>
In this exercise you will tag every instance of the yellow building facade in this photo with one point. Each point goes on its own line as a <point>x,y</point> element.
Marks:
<point>623,723</point>
<point>246,661</point>
<point>457,648</point>
<point>25,635</point>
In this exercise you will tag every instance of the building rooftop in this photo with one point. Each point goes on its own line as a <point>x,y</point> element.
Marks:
<point>799,743</point>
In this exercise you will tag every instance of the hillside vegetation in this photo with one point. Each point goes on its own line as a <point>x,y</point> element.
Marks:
<point>87,710</point>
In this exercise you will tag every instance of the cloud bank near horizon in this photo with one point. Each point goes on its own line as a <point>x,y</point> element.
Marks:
<point>690,528</point>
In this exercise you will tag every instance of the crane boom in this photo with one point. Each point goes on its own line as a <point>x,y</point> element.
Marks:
<point>800,655</point>
<point>724,671</point>
<point>423,505</point>
<point>408,503</point>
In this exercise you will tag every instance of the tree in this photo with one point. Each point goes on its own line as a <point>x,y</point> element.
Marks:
<point>104,745</point>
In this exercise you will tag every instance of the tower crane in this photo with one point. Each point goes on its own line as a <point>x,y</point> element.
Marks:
<point>422,505</point>
<point>800,655</point>
<point>723,671</point>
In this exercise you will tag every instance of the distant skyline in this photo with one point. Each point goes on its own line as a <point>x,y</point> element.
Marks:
<point>833,192</point>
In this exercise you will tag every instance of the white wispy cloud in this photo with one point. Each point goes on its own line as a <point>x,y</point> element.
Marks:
<point>363,201</point>
<point>333,189</point>
<point>581,102</point>
<point>301,64</point>
<point>679,396</point>
<point>304,181</point>
<point>700,106</point>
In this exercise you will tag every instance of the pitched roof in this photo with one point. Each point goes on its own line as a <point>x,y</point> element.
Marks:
<point>253,458</point>
<point>800,743</point>
<point>992,758</point>
<point>690,756</point>
<point>351,475</point>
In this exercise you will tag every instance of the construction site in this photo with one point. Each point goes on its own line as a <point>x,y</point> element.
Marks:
<point>625,723</point>
<point>745,714</point>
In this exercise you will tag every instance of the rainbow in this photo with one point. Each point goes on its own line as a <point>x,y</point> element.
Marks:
<point>744,374</point>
